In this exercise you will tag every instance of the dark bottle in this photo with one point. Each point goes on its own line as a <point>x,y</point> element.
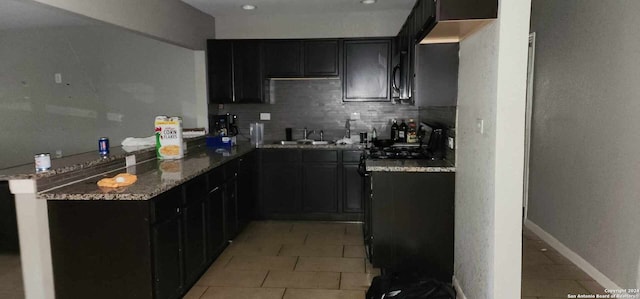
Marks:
<point>394,130</point>
<point>402,132</point>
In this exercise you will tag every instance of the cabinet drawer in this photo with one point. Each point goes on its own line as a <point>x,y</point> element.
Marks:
<point>319,156</point>
<point>215,177</point>
<point>166,205</point>
<point>195,189</point>
<point>280,156</point>
<point>351,156</point>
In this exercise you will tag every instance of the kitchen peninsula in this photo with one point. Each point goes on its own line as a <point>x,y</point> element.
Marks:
<point>152,239</point>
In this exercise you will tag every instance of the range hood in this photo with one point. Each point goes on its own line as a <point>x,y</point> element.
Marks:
<point>450,21</point>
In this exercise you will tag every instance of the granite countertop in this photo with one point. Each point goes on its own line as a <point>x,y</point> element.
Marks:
<point>154,177</point>
<point>355,146</point>
<point>80,161</point>
<point>394,165</point>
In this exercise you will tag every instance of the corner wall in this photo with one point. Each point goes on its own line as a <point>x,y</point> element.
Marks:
<point>584,167</point>
<point>489,176</point>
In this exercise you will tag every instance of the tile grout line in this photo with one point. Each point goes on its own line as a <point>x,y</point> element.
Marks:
<point>265,278</point>
<point>296,264</point>
<point>340,281</point>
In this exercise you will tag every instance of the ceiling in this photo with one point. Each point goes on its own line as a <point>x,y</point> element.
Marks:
<point>20,14</point>
<point>230,8</point>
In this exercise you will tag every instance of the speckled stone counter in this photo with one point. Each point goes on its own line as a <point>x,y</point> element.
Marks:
<point>356,146</point>
<point>392,165</point>
<point>154,177</point>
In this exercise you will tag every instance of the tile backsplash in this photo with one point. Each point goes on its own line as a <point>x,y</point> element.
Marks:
<point>316,105</point>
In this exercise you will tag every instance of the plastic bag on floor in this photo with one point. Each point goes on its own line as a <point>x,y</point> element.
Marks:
<point>408,286</point>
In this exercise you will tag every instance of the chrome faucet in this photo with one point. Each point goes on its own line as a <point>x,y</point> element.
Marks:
<point>347,126</point>
<point>306,133</point>
<point>321,135</point>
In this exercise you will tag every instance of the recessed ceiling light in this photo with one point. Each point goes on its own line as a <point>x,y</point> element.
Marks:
<point>252,7</point>
<point>368,1</point>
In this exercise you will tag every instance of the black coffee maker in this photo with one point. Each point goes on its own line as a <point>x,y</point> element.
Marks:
<point>223,125</point>
<point>436,144</point>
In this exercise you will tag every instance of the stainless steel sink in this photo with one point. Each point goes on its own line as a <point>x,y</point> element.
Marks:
<point>305,142</point>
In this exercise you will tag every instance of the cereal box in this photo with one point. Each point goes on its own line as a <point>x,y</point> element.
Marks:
<point>169,137</point>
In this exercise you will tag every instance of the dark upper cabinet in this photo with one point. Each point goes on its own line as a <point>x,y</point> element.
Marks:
<point>220,70</point>
<point>247,77</point>
<point>234,73</point>
<point>367,70</point>
<point>301,58</point>
<point>321,58</point>
<point>283,58</point>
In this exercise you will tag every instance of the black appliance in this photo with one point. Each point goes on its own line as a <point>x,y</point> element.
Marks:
<point>223,125</point>
<point>401,82</point>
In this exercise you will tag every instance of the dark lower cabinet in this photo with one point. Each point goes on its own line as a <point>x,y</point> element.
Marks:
<point>156,248</point>
<point>412,222</point>
<point>231,208</point>
<point>309,184</point>
<point>280,184</point>
<point>8,221</point>
<point>167,259</point>
<point>215,223</point>
<point>195,257</point>
<point>352,191</point>
<point>246,190</point>
<point>320,188</point>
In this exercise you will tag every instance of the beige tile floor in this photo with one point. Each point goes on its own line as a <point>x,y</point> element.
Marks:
<point>548,275</point>
<point>290,260</point>
<point>278,259</point>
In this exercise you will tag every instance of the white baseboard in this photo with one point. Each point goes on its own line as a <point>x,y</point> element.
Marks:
<point>459,292</point>
<point>572,256</point>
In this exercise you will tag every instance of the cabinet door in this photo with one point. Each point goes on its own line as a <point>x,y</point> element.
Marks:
<point>353,188</point>
<point>247,78</point>
<point>231,209</point>
<point>320,188</point>
<point>280,188</point>
<point>246,189</point>
<point>283,59</point>
<point>195,258</point>
<point>215,222</point>
<point>167,259</point>
<point>321,58</point>
<point>367,70</point>
<point>220,70</point>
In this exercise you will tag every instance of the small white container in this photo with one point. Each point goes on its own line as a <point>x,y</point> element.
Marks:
<point>43,162</point>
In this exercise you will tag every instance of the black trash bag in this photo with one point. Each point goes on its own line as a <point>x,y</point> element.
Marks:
<point>408,286</point>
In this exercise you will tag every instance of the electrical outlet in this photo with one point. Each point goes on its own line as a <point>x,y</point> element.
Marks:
<point>480,126</point>
<point>355,116</point>
<point>265,116</point>
<point>57,77</point>
<point>451,143</point>
<point>58,153</point>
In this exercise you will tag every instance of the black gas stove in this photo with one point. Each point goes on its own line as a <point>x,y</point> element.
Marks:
<point>399,152</point>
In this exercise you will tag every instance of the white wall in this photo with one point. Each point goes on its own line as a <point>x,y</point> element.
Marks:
<point>361,24</point>
<point>169,20</point>
<point>114,83</point>
<point>585,158</point>
<point>492,84</point>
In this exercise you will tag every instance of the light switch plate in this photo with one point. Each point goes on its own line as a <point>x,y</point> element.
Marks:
<point>451,143</point>
<point>480,126</point>
<point>355,116</point>
<point>265,116</point>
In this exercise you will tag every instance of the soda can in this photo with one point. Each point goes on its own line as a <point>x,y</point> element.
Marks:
<point>103,146</point>
<point>43,162</point>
